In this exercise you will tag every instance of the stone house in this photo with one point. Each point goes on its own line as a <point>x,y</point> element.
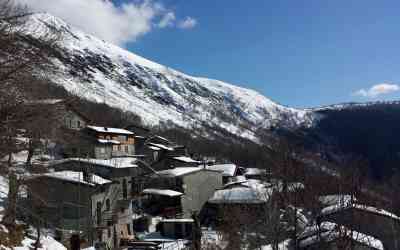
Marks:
<point>228,171</point>
<point>63,198</point>
<point>189,187</point>
<point>113,207</point>
<point>111,142</point>
<point>68,116</point>
<point>163,154</point>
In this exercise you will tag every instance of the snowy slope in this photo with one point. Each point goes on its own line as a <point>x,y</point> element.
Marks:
<point>100,71</point>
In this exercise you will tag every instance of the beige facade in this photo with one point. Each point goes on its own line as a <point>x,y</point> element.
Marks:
<point>198,187</point>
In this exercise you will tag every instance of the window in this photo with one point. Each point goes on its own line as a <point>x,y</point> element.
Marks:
<point>78,123</point>
<point>136,186</point>
<point>155,155</point>
<point>128,227</point>
<point>119,147</point>
<point>108,205</point>
<point>102,150</point>
<point>126,149</point>
<point>122,138</point>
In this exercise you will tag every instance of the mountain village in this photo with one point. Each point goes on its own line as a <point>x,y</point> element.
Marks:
<point>87,163</point>
<point>132,189</point>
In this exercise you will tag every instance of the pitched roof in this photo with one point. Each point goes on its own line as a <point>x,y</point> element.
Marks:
<point>106,141</point>
<point>226,169</point>
<point>110,130</point>
<point>164,192</point>
<point>159,146</point>
<point>175,172</point>
<point>120,162</point>
<point>74,176</point>
<point>239,195</point>
<point>254,171</point>
<point>185,159</point>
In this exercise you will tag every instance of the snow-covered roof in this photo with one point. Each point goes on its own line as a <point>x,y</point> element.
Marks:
<point>255,171</point>
<point>110,130</point>
<point>105,141</point>
<point>239,195</point>
<point>160,137</point>
<point>164,192</point>
<point>160,146</point>
<point>175,172</point>
<point>140,136</point>
<point>338,207</point>
<point>236,180</point>
<point>154,148</point>
<point>186,159</point>
<point>74,176</point>
<point>331,232</point>
<point>178,220</point>
<point>226,169</point>
<point>120,162</point>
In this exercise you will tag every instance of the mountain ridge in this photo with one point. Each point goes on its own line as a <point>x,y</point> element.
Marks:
<point>102,72</point>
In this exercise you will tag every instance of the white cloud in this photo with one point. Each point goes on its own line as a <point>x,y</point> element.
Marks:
<point>377,90</point>
<point>167,20</point>
<point>187,23</point>
<point>118,24</point>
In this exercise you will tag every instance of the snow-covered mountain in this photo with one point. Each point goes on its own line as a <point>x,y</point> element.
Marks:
<point>103,72</point>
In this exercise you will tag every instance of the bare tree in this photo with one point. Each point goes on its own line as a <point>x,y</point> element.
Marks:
<point>22,59</point>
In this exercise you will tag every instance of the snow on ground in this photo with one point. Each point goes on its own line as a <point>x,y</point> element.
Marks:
<point>48,243</point>
<point>284,245</point>
<point>21,156</point>
<point>212,238</point>
<point>174,245</point>
<point>3,193</point>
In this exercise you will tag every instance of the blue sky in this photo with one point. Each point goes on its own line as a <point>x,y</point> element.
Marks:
<point>298,53</point>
